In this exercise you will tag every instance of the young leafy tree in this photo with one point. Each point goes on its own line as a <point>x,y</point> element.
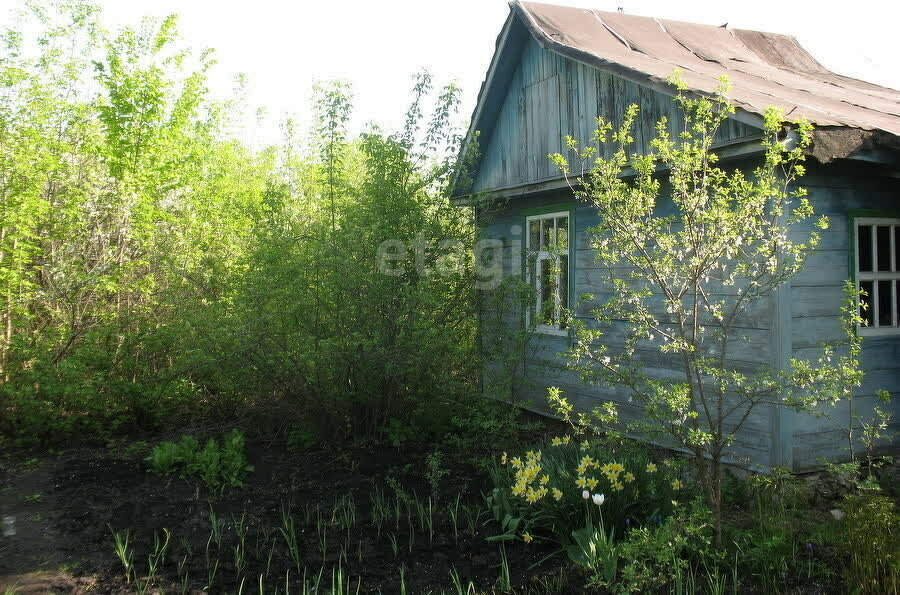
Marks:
<point>123,213</point>
<point>689,250</point>
<point>357,306</point>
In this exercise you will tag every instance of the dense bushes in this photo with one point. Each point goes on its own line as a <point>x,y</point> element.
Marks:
<point>153,269</point>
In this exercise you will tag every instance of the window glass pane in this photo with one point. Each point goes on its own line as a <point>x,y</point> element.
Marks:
<point>897,248</point>
<point>534,234</point>
<point>530,271</point>
<point>885,303</point>
<point>883,247</point>
<point>864,247</point>
<point>548,292</point>
<point>562,232</point>
<point>865,302</point>
<point>546,233</point>
<point>563,285</point>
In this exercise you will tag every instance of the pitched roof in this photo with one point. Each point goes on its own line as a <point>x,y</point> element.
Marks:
<point>764,69</point>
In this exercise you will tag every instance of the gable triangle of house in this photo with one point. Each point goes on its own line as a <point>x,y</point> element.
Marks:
<point>533,97</point>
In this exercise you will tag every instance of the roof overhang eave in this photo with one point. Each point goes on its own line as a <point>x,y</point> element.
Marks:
<point>729,150</point>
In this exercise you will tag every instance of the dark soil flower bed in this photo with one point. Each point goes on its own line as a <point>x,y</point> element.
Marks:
<point>324,499</point>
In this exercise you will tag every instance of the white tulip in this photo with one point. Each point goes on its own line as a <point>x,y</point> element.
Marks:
<point>599,499</point>
<point>585,494</point>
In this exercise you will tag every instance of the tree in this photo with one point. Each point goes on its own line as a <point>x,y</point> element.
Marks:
<point>688,249</point>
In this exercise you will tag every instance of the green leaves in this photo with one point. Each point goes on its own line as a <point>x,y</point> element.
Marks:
<point>153,267</point>
<point>595,550</point>
<point>218,465</point>
<point>506,513</point>
<point>690,250</point>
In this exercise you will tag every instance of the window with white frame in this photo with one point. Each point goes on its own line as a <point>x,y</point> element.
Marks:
<point>878,273</point>
<point>547,265</point>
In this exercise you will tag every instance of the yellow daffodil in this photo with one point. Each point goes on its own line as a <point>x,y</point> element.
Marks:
<point>527,538</point>
<point>503,459</point>
<point>629,477</point>
<point>557,494</point>
<point>585,444</point>
<point>592,483</point>
<point>581,482</point>
<point>617,486</point>
<point>651,468</point>
<point>516,462</point>
<point>557,441</point>
<point>676,484</point>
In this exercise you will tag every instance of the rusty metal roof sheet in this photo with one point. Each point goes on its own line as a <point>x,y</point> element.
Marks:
<point>764,69</point>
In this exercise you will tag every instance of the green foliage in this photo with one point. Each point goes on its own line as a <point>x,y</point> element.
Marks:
<point>218,465</point>
<point>120,201</point>
<point>507,512</point>
<point>734,491</point>
<point>301,436</point>
<point>780,541</point>
<point>482,426</point>
<point>165,458</point>
<point>594,549</point>
<point>768,548</point>
<point>546,488</point>
<point>872,542</point>
<point>686,254</point>
<point>653,556</point>
<point>435,472</point>
<point>154,269</point>
<point>502,345</point>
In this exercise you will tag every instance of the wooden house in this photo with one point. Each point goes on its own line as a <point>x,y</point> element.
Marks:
<point>556,69</point>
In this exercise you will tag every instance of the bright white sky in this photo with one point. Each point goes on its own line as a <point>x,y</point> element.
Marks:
<point>286,45</point>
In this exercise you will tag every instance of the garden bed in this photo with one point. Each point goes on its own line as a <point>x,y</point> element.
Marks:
<point>68,507</point>
<point>415,519</point>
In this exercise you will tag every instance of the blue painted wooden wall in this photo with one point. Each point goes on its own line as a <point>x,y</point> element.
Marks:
<point>545,365</point>
<point>816,299</point>
<point>549,97</point>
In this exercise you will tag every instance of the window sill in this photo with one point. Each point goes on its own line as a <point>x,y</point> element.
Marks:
<point>549,330</point>
<point>868,331</point>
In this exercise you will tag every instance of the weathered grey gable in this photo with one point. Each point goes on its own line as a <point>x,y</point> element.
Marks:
<point>550,96</point>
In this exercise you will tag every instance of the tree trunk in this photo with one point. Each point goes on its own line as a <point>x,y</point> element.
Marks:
<point>711,481</point>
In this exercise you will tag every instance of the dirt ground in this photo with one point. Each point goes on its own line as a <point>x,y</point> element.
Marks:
<point>67,507</point>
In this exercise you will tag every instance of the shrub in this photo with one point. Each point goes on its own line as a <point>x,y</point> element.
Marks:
<point>481,426</point>
<point>768,554</point>
<point>218,465</point>
<point>654,556</point>
<point>872,542</point>
<point>782,543</point>
<point>547,489</point>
